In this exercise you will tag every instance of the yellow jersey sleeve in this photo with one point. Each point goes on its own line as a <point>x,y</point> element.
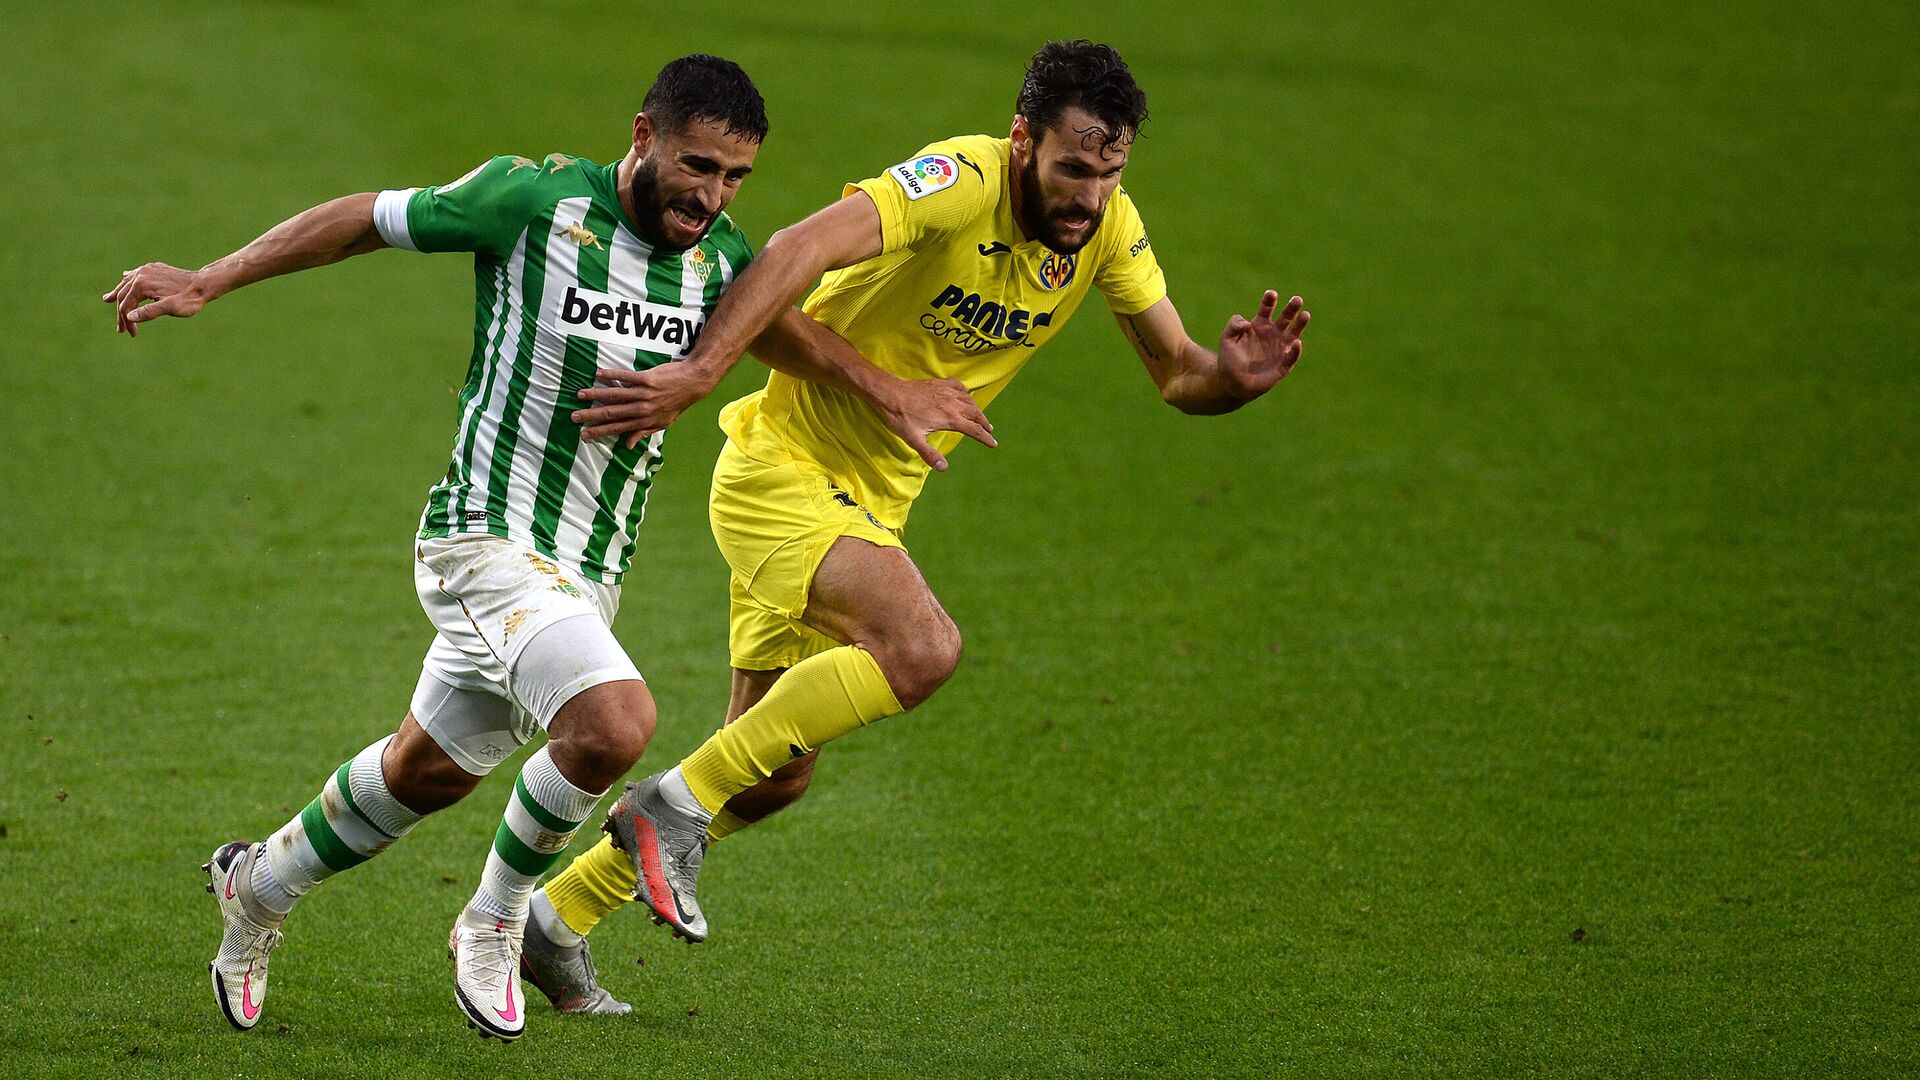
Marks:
<point>926,197</point>
<point>1129,276</point>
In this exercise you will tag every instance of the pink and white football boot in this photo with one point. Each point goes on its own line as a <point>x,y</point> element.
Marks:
<point>240,967</point>
<point>486,973</point>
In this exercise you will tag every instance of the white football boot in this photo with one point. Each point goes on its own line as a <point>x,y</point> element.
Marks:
<point>240,967</point>
<point>486,973</point>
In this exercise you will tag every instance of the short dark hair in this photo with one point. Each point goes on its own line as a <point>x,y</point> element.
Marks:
<point>704,87</point>
<point>1086,74</point>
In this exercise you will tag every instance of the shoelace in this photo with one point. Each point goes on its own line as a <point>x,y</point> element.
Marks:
<point>593,975</point>
<point>497,961</point>
<point>687,849</point>
<point>258,946</point>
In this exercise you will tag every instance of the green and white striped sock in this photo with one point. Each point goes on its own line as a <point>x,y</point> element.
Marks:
<point>354,818</point>
<point>543,813</point>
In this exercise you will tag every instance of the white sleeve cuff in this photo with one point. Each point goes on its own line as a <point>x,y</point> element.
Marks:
<point>390,217</point>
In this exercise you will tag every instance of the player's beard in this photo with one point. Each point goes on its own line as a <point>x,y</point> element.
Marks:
<point>650,209</point>
<point>1043,222</point>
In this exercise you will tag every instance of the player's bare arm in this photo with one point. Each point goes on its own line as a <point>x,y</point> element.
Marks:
<point>839,235</point>
<point>1254,354</point>
<point>799,346</point>
<point>325,234</point>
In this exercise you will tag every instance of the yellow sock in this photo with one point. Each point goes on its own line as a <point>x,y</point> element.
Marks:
<point>818,700</point>
<point>592,885</point>
<point>725,824</point>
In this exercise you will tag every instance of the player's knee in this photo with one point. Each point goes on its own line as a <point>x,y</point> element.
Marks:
<point>608,726</point>
<point>918,663</point>
<point>625,729</point>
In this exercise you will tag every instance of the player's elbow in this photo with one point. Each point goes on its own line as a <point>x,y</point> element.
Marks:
<point>1194,402</point>
<point>796,246</point>
<point>1211,407</point>
<point>783,240</point>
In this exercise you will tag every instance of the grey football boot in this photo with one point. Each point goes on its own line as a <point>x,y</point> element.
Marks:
<point>666,847</point>
<point>564,973</point>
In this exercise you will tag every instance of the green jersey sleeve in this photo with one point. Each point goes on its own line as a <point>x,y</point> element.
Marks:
<point>484,211</point>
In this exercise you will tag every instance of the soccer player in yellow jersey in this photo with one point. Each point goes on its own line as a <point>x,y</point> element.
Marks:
<point>957,263</point>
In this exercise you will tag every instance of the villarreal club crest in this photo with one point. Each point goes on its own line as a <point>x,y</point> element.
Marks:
<point>1056,270</point>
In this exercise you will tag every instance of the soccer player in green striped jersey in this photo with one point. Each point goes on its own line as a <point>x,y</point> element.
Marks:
<point>583,272</point>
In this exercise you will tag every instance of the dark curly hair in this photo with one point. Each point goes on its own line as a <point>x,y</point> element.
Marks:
<point>704,87</point>
<point>1086,74</point>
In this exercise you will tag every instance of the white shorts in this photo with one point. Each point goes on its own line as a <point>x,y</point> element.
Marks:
<point>488,598</point>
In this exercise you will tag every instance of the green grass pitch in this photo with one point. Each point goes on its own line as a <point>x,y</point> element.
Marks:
<point>1530,686</point>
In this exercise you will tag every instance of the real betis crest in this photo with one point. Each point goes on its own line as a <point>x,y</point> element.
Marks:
<point>697,259</point>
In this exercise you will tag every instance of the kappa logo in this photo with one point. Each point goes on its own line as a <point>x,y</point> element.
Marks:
<point>925,175</point>
<point>1056,270</point>
<point>558,162</point>
<point>580,234</point>
<point>523,163</point>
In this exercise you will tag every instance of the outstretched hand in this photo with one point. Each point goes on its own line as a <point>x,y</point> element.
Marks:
<point>1256,354</point>
<point>917,408</point>
<point>641,402</point>
<point>172,292</point>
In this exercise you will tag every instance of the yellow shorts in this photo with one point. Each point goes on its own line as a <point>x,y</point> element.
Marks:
<point>774,521</point>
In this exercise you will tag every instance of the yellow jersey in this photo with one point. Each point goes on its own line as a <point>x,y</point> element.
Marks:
<point>957,292</point>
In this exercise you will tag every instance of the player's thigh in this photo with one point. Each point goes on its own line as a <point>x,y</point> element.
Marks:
<point>464,714</point>
<point>760,639</point>
<point>518,639</point>
<point>865,593</point>
<point>572,658</point>
<point>776,523</point>
<point>489,598</point>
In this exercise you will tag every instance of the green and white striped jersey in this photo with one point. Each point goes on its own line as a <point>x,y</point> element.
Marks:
<point>564,285</point>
